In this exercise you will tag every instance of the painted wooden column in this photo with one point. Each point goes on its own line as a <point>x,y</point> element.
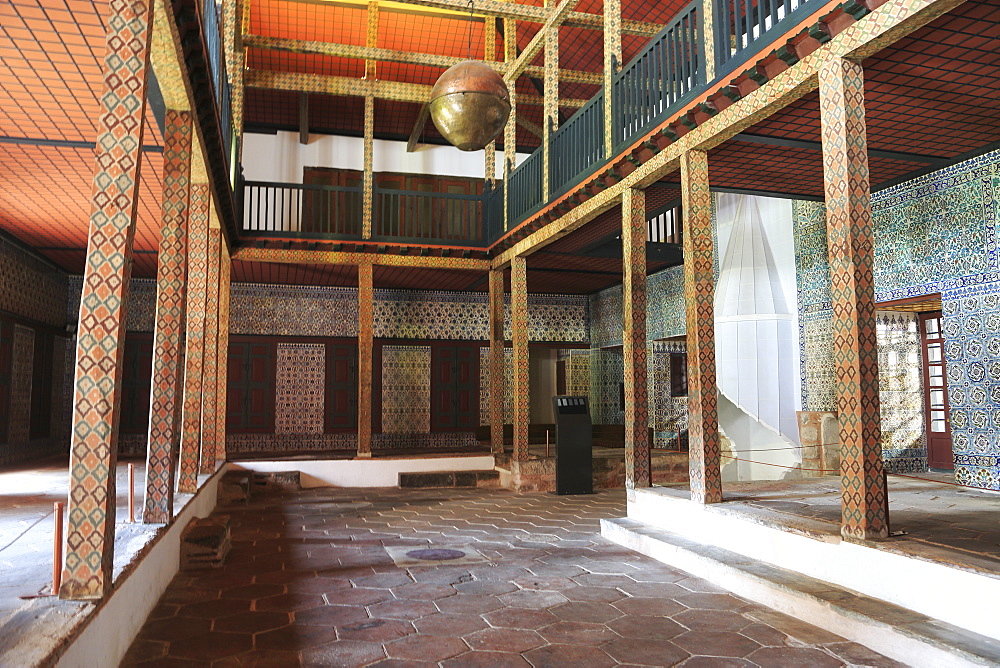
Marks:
<point>489,56</point>
<point>498,373</point>
<point>550,104</point>
<point>699,293</point>
<point>612,61</point>
<point>509,130</point>
<point>368,176</point>
<point>864,504</point>
<point>222,365</point>
<point>634,233</point>
<point>209,436</point>
<point>371,37</point>
<point>107,271</point>
<point>194,345</point>
<point>366,334</point>
<point>519,339</point>
<point>168,336</point>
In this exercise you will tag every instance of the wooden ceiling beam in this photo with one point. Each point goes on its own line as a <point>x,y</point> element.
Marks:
<point>384,90</point>
<point>554,19</point>
<point>394,56</point>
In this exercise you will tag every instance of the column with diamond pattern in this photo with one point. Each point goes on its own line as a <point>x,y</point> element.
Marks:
<point>168,338</point>
<point>864,505</point>
<point>222,365</point>
<point>498,374</point>
<point>699,294</point>
<point>209,437</point>
<point>519,340</point>
<point>107,270</point>
<point>366,334</point>
<point>634,234</point>
<point>194,346</point>
<point>368,175</point>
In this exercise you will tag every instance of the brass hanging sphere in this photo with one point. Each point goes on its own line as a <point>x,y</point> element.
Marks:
<point>470,105</point>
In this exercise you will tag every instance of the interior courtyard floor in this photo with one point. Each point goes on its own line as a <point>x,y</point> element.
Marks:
<point>389,577</point>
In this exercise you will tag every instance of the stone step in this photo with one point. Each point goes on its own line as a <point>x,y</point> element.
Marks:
<point>448,479</point>
<point>894,631</point>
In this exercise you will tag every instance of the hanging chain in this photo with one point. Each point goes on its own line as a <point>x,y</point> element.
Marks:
<point>472,6</point>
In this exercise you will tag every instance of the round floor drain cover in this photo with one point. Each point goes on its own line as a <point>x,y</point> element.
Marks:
<point>435,554</point>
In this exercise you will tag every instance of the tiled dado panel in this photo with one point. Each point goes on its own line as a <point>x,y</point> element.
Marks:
<point>264,444</point>
<point>279,310</point>
<point>22,358</point>
<point>607,373</point>
<point>484,386</point>
<point>667,415</point>
<point>300,378</point>
<point>465,316</point>
<point>283,310</point>
<point>30,287</point>
<point>406,389</point>
<point>664,314</point>
<point>972,354</point>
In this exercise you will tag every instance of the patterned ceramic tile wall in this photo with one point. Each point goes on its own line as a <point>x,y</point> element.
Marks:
<point>22,359</point>
<point>406,389</point>
<point>578,373</point>
<point>30,287</point>
<point>607,369</point>
<point>606,317</point>
<point>667,415</point>
<point>904,445</point>
<point>259,444</point>
<point>484,386</point>
<point>279,310</point>
<point>972,354</point>
<point>934,234</point>
<point>300,373</point>
<point>665,310</point>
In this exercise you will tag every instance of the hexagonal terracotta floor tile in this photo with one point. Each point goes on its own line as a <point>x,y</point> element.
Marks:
<point>537,600</point>
<point>486,660</point>
<point>560,656</point>
<point>213,609</point>
<point>520,618</point>
<point>444,624</point>
<point>586,612</point>
<point>289,602</point>
<point>712,620</point>
<point>642,626</point>
<point>425,648</point>
<point>175,628</point>
<point>793,657</point>
<point>402,608</point>
<point>717,643</point>
<point>331,615</point>
<point>423,591</point>
<point>252,622</point>
<point>343,653</point>
<point>376,630</point>
<point>211,646</point>
<point>707,601</point>
<point>640,605</point>
<point>645,651</point>
<point>499,640</point>
<point>295,637</point>
<point>470,604</point>
<point>259,658</point>
<point>577,633</point>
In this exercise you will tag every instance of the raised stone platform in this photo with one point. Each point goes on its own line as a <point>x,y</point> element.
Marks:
<point>916,601</point>
<point>538,473</point>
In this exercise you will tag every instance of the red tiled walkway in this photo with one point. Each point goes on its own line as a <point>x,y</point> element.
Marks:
<point>311,581</point>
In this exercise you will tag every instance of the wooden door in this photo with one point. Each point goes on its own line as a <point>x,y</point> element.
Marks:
<point>341,387</point>
<point>936,410</point>
<point>250,391</point>
<point>454,388</point>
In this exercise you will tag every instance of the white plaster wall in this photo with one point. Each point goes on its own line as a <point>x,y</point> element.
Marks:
<point>117,621</point>
<point>281,158</point>
<point>756,332</point>
<point>365,472</point>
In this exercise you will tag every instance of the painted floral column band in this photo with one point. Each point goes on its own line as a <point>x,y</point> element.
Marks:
<point>498,374</point>
<point>368,175</point>
<point>366,333</point>
<point>699,293</point>
<point>855,348</point>
<point>637,468</point>
<point>94,450</point>
<point>171,292</point>
<point>519,339</point>
<point>194,346</point>
<point>209,437</point>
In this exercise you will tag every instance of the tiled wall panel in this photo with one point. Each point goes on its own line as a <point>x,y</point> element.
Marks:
<point>406,389</point>
<point>300,372</point>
